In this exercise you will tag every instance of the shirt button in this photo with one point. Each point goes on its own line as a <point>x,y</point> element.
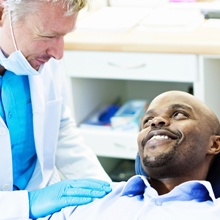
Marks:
<point>158,203</point>
<point>3,131</point>
<point>5,187</point>
<point>9,114</point>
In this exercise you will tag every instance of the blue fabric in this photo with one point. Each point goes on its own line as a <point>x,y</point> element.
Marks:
<point>2,113</point>
<point>136,199</point>
<point>213,175</point>
<point>17,114</point>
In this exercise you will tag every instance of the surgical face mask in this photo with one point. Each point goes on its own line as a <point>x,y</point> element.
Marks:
<point>16,62</point>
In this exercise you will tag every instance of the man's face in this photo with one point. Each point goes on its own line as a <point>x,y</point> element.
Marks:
<point>39,36</point>
<point>173,136</point>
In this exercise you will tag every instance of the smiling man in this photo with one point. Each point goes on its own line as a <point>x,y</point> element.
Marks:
<point>178,143</point>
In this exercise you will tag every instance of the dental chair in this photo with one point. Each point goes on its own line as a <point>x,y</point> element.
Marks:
<point>213,175</point>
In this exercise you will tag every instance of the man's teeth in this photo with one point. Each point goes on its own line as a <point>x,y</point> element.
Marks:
<point>159,137</point>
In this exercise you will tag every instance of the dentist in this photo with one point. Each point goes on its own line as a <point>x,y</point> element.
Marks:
<point>44,164</point>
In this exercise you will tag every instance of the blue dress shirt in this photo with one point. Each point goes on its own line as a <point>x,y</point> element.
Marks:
<point>16,111</point>
<point>136,199</point>
<point>2,113</point>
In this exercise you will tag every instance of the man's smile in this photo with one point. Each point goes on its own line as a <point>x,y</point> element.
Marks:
<point>160,135</point>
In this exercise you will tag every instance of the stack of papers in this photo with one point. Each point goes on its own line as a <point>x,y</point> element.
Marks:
<point>173,19</point>
<point>113,18</point>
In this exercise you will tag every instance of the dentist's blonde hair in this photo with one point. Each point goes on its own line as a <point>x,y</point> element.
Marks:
<point>20,8</point>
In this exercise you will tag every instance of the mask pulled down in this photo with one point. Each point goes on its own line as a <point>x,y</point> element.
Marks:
<point>17,64</point>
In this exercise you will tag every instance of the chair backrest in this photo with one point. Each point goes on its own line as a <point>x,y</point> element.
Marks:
<point>213,175</point>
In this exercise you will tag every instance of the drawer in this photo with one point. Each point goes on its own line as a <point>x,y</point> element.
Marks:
<point>132,66</point>
<point>111,143</point>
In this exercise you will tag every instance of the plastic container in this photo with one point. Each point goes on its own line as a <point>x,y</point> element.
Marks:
<point>129,115</point>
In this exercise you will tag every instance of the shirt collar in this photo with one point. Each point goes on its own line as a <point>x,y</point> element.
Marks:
<point>136,185</point>
<point>199,190</point>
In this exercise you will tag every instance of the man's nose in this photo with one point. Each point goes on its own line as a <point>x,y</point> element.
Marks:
<point>160,122</point>
<point>56,48</point>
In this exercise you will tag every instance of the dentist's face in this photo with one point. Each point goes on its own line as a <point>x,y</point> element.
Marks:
<point>39,36</point>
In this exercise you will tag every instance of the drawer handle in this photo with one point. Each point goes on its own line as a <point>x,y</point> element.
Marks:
<point>135,66</point>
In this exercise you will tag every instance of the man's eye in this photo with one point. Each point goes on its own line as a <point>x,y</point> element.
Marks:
<point>180,115</point>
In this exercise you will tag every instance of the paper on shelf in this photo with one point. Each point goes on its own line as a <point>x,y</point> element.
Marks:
<point>113,18</point>
<point>169,19</point>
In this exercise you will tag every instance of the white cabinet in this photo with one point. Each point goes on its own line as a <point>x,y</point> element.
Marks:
<point>207,86</point>
<point>98,78</point>
<point>132,66</point>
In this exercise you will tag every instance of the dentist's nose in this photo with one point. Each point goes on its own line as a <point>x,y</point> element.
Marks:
<point>159,122</point>
<point>57,48</point>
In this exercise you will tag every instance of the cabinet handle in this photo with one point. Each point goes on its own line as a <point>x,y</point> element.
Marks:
<point>135,66</point>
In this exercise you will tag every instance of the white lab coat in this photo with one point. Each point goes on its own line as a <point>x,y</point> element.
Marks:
<point>60,150</point>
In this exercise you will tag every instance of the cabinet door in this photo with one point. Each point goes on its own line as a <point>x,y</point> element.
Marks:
<point>132,66</point>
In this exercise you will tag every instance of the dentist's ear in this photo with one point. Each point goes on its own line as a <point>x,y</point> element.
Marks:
<point>1,11</point>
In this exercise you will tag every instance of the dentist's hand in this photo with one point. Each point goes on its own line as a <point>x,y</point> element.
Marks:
<point>53,198</point>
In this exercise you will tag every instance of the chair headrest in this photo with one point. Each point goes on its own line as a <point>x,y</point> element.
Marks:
<point>213,175</point>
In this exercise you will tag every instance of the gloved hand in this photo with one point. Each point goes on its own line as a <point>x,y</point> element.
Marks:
<point>53,198</point>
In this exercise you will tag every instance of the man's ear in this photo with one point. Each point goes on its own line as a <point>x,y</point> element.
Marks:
<point>215,147</point>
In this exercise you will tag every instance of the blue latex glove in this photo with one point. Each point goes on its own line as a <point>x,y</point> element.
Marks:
<point>53,198</point>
